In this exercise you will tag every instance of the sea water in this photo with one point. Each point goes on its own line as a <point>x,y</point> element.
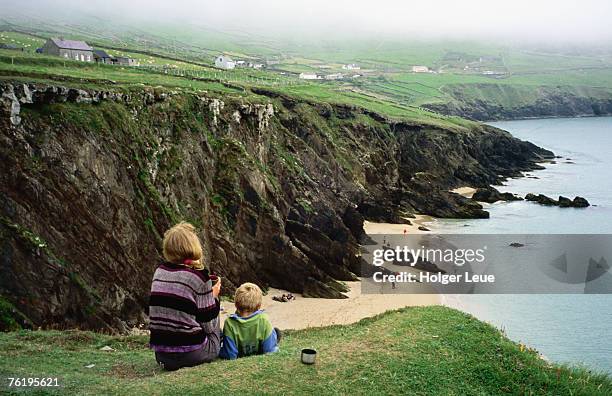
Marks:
<point>575,329</point>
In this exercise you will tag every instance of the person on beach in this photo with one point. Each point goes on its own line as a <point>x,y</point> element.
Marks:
<point>184,305</point>
<point>248,331</point>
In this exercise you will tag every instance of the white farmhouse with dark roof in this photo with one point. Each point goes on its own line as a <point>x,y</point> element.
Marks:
<point>225,62</point>
<point>69,49</point>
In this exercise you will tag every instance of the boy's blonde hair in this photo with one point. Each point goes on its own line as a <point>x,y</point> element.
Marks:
<point>248,297</point>
<point>181,245</point>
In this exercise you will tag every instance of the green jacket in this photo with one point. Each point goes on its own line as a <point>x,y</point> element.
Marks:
<point>252,335</point>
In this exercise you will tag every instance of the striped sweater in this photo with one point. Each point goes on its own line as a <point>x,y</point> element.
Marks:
<point>182,309</point>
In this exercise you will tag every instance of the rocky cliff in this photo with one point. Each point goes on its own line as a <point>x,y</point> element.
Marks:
<point>278,188</point>
<point>511,101</point>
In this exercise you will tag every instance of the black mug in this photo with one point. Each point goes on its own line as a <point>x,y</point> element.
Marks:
<point>309,356</point>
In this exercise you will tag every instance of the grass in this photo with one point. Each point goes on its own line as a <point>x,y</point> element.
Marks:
<point>421,351</point>
<point>387,86</point>
<point>29,67</point>
<point>330,93</point>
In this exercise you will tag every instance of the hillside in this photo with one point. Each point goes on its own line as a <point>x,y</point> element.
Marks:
<point>279,188</point>
<point>478,80</point>
<point>99,160</point>
<point>419,351</point>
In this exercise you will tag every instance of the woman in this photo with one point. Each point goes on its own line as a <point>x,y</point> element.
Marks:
<point>184,305</point>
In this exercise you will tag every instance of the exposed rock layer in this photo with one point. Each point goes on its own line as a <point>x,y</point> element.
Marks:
<point>90,180</point>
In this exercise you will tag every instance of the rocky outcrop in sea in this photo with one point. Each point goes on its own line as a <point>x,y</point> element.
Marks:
<point>563,202</point>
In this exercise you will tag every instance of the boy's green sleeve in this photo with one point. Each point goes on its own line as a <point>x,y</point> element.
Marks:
<point>229,349</point>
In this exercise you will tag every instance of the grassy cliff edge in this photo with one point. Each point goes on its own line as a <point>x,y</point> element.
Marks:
<point>430,350</point>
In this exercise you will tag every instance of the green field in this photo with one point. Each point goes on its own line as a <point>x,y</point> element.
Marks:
<point>386,83</point>
<point>13,63</point>
<point>419,351</point>
<point>47,69</point>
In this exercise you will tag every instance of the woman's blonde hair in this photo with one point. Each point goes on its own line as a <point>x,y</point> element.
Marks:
<point>182,246</point>
<point>248,297</point>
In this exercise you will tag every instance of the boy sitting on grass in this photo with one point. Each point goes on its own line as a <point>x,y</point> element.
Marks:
<point>248,331</point>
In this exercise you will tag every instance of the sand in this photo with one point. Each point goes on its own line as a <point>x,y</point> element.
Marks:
<point>389,228</point>
<point>465,191</point>
<point>303,312</point>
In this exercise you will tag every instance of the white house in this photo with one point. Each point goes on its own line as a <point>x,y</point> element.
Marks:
<point>69,49</point>
<point>420,69</point>
<point>308,76</point>
<point>351,66</point>
<point>224,62</point>
<point>335,76</point>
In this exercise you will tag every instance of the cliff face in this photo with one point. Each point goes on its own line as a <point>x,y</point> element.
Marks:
<point>279,190</point>
<point>507,102</point>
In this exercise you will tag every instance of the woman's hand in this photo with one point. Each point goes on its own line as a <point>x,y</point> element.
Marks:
<point>216,289</point>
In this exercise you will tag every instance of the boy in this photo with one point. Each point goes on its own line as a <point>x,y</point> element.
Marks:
<point>248,331</point>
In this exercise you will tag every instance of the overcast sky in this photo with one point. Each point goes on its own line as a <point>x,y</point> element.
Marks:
<point>560,20</point>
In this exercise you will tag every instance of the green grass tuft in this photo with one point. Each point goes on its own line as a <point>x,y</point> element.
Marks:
<point>8,312</point>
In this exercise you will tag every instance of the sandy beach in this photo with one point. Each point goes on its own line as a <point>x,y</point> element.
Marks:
<point>389,228</point>
<point>465,191</point>
<point>315,312</point>
<point>303,312</point>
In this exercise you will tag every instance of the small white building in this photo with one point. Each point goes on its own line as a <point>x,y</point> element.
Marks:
<point>351,66</point>
<point>420,69</point>
<point>334,76</point>
<point>308,76</point>
<point>493,73</point>
<point>224,62</point>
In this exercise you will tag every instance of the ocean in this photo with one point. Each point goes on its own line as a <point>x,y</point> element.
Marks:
<point>571,328</point>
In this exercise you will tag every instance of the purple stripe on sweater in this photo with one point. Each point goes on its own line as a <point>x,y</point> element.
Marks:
<point>175,349</point>
<point>183,284</point>
<point>173,314</point>
<point>166,319</point>
<point>169,289</point>
<point>199,274</point>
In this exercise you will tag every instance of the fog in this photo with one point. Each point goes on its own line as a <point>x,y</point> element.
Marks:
<point>585,21</point>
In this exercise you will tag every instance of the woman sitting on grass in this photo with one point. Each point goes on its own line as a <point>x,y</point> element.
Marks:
<point>184,305</point>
